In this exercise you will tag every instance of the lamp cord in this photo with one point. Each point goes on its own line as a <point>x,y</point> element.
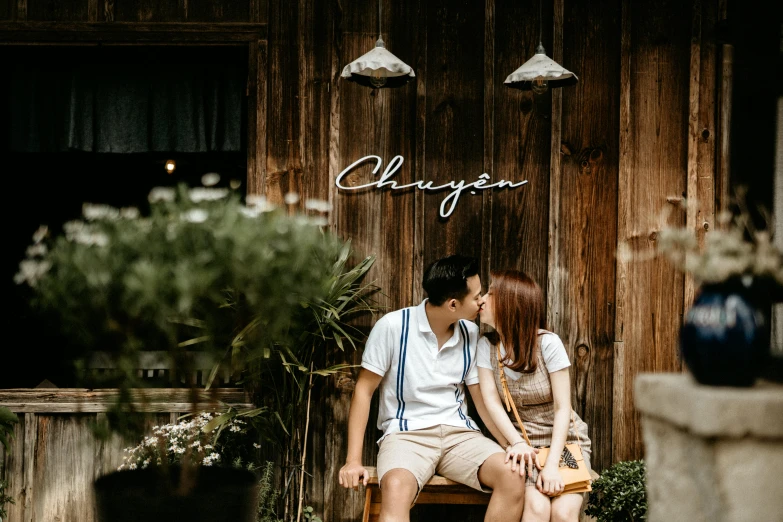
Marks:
<point>540,25</point>
<point>379,18</point>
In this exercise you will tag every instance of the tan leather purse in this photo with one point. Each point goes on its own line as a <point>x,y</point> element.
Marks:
<point>572,466</point>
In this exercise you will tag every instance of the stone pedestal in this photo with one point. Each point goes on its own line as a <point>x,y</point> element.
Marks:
<point>713,454</point>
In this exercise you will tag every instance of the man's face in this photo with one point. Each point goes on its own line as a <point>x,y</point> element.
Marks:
<point>470,305</point>
<point>487,314</point>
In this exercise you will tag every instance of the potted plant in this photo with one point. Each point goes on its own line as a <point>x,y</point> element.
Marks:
<point>725,338</point>
<point>619,495</point>
<point>203,271</point>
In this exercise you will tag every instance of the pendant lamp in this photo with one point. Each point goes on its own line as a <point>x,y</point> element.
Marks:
<point>540,72</point>
<point>378,68</point>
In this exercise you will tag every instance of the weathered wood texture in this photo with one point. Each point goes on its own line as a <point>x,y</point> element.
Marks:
<point>584,222</point>
<point>637,134</point>
<point>55,458</point>
<point>655,59</point>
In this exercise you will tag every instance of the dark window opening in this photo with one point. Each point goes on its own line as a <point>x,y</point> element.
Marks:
<point>56,158</point>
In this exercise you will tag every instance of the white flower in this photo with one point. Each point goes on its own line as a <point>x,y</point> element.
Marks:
<point>199,194</point>
<point>195,215</point>
<point>292,198</point>
<point>210,179</point>
<point>161,194</point>
<point>93,212</point>
<point>129,213</point>
<point>41,233</point>
<point>318,205</point>
<point>89,239</point>
<point>259,203</point>
<point>31,271</point>
<point>256,445</point>
<point>132,466</point>
<point>249,212</point>
<point>37,249</point>
<point>319,221</point>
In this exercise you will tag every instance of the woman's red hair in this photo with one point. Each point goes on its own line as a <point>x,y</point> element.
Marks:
<point>518,305</point>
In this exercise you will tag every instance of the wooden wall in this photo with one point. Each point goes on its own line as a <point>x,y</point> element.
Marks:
<point>636,135</point>
<point>55,458</point>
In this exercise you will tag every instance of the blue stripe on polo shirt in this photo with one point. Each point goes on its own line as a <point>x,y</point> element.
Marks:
<point>465,366</point>
<point>406,314</point>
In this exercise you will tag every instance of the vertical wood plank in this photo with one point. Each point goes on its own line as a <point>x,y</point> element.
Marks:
<point>108,10</point>
<point>724,115</point>
<point>14,472</point>
<point>182,10</point>
<point>523,125</point>
<point>257,117</point>
<point>371,122</point>
<point>653,168</point>
<point>692,185</point>
<point>583,213</point>
<point>703,183</point>
<point>489,137</point>
<point>420,155</point>
<point>21,10</point>
<point>455,112</point>
<point>253,183</point>
<point>92,10</point>
<point>28,498</point>
<point>283,164</point>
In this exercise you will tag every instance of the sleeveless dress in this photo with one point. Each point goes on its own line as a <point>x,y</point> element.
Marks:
<point>532,394</point>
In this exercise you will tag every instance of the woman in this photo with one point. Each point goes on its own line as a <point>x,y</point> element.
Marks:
<point>535,365</point>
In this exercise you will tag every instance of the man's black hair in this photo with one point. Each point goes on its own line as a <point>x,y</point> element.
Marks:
<point>447,278</point>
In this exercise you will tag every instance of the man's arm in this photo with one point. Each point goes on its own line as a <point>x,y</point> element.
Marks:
<point>481,408</point>
<point>353,470</point>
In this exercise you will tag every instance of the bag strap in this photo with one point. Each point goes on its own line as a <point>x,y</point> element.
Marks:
<point>511,406</point>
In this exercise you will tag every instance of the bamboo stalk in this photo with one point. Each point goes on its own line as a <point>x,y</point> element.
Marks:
<point>304,444</point>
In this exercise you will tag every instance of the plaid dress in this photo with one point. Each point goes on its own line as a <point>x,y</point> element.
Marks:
<point>532,394</point>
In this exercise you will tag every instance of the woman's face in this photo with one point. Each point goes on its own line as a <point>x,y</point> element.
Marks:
<point>487,313</point>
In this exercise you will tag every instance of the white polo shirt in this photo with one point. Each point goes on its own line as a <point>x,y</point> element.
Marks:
<point>421,386</point>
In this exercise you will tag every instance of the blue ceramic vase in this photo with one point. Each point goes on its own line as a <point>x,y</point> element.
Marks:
<point>724,340</point>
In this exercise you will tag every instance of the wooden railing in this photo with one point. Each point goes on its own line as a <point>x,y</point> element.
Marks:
<point>54,457</point>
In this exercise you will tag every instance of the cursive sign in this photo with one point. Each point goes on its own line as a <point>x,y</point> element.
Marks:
<point>448,204</point>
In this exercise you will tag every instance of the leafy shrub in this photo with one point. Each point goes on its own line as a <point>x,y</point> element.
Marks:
<point>4,499</point>
<point>619,495</point>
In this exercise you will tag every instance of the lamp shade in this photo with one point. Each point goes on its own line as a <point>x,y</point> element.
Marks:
<point>378,63</point>
<point>540,66</point>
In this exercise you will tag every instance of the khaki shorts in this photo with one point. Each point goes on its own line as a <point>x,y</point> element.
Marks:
<point>453,452</point>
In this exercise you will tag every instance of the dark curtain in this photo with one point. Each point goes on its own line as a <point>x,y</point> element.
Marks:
<point>126,106</point>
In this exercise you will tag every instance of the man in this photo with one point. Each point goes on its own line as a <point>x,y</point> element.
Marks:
<point>422,357</point>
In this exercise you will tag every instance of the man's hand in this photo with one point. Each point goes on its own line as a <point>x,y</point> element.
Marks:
<point>352,473</point>
<point>525,455</point>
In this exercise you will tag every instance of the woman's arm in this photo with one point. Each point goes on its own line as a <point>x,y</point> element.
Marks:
<point>499,417</point>
<point>481,408</point>
<point>550,482</point>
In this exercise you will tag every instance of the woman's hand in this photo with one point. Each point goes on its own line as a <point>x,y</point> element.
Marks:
<point>525,455</point>
<point>550,481</point>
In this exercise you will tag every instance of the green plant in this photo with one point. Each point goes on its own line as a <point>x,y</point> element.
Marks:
<point>310,515</point>
<point>4,499</point>
<point>7,421</point>
<point>282,379</point>
<point>267,495</point>
<point>188,277</point>
<point>619,494</point>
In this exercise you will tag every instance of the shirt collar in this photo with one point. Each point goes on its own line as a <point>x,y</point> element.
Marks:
<point>424,325</point>
<point>421,315</point>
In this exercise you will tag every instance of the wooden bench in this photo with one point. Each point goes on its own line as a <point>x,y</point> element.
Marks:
<point>439,490</point>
